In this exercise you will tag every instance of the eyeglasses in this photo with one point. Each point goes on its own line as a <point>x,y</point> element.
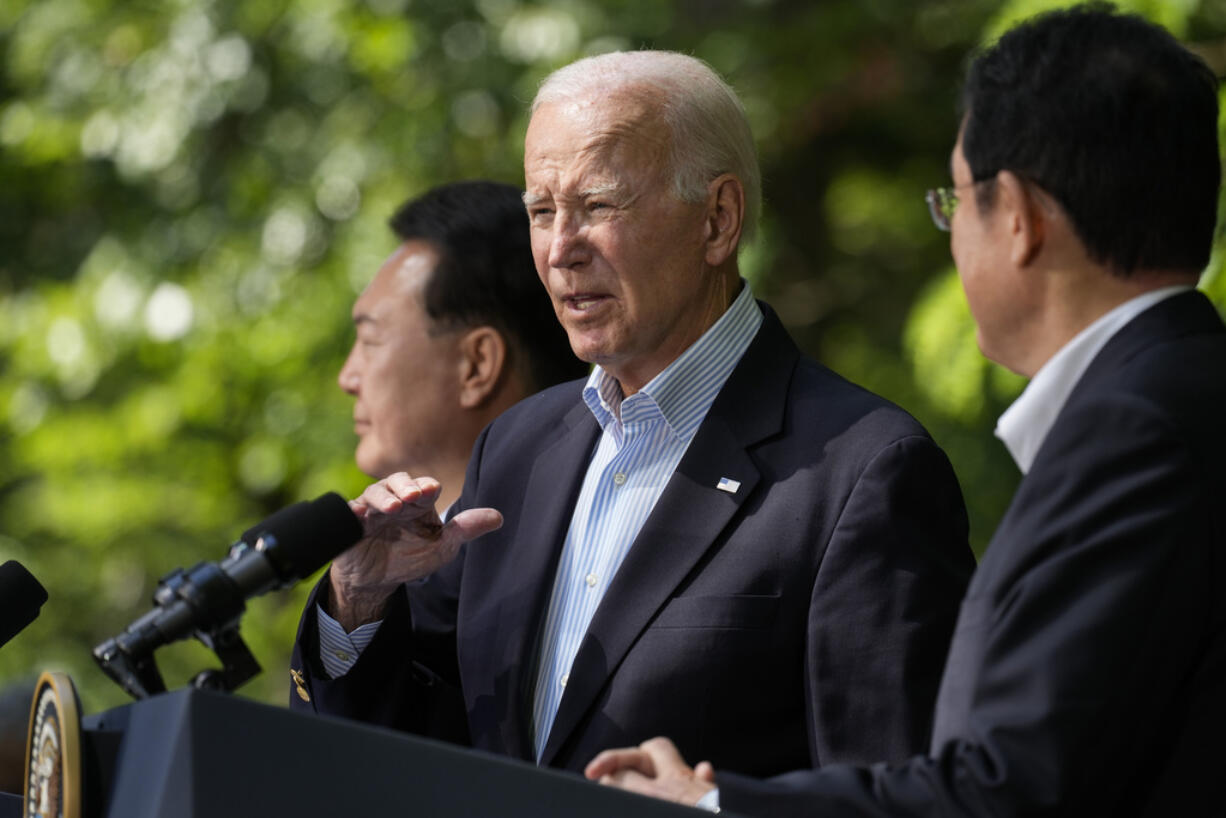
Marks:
<point>942,202</point>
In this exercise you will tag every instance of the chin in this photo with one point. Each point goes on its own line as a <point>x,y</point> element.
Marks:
<point>369,466</point>
<point>594,348</point>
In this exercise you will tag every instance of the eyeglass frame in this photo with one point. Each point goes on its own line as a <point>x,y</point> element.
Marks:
<point>943,201</point>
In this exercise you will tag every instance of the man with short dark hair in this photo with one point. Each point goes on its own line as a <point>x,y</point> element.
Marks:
<point>713,535</point>
<point>1087,670</point>
<point>452,331</point>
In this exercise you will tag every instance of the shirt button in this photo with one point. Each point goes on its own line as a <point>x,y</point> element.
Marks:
<point>619,479</point>
<point>344,657</point>
<point>591,580</point>
<point>563,680</point>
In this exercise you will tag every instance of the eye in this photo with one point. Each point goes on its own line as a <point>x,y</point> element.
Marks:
<point>540,214</point>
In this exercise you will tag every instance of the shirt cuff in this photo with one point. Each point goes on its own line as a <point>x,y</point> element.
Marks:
<point>339,651</point>
<point>710,801</point>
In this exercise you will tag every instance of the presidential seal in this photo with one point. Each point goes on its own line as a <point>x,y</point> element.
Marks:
<point>53,750</point>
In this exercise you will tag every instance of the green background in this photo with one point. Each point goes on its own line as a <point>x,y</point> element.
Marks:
<point>192,193</point>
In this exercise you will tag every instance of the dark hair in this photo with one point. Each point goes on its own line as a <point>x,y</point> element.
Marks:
<point>1115,119</point>
<point>485,274</point>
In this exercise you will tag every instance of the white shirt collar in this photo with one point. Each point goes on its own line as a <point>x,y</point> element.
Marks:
<point>1024,425</point>
<point>686,388</point>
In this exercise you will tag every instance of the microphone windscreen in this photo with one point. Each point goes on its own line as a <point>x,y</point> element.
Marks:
<point>275,522</point>
<point>21,596</point>
<point>310,534</point>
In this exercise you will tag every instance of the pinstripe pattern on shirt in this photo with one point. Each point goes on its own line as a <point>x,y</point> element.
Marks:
<point>338,651</point>
<point>643,439</point>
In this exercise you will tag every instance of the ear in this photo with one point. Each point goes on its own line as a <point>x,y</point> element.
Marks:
<point>482,361</point>
<point>725,218</point>
<point>1027,220</point>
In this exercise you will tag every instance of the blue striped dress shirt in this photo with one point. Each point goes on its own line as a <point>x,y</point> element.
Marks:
<point>643,439</point>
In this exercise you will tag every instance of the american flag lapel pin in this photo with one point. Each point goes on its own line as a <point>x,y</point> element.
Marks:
<point>728,484</point>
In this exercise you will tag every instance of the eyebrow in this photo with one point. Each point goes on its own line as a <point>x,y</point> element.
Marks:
<point>611,188</point>
<point>601,190</point>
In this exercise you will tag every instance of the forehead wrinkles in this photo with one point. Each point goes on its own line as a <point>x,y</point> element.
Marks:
<point>618,140</point>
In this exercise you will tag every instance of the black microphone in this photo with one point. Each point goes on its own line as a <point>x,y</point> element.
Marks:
<point>21,597</point>
<point>290,545</point>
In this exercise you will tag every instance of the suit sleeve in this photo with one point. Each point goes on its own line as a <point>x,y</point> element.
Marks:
<point>1071,664</point>
<point>883,607</point>
<point>408,677</point>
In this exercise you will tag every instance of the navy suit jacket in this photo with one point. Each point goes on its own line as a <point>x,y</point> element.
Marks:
<point>1087,674</point>
<point>801,620</point>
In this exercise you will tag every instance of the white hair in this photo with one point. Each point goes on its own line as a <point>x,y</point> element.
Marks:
<point>710,132</point>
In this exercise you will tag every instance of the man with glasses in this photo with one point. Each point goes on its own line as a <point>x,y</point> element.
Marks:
<point>1087,670</point>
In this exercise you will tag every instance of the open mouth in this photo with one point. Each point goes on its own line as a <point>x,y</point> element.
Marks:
<point>585,302</point>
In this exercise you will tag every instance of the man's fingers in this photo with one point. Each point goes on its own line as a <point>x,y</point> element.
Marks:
<point>664,753</point>
<point>410,489</point>
<point>395,491</point>
<point>611,762</point>
<point>681,790</point>
<point>378,497</point>
<point>633,781</point>
<point>470,524</point>
<point>703,771</point>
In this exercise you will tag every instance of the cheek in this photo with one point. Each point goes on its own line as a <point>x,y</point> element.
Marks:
<point>540,253</point>
<point>385,380</point>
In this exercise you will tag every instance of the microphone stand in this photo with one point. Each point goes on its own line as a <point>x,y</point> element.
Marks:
<point>128,661</point>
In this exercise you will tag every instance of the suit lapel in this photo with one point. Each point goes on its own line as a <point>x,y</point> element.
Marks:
<point>690,515</point>
<point>1189,313</point>
<point>1186,314</point>
<point>533,563</point>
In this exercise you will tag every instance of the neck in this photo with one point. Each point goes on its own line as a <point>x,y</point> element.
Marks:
<point>634,375</point>
<point>449,474</point>
<point>1076,299</point>
<point>451,465</point>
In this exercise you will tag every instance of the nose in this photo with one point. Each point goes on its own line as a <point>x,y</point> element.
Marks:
<point>348,377</point>
<point>568,246</point>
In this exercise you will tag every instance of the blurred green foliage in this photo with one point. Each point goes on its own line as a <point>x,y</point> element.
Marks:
<point>192,193</point>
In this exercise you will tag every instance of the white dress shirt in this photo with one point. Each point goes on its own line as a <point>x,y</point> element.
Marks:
<point>1025,424</point>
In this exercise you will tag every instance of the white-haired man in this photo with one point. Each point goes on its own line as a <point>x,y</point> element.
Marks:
<point>712,537</point>
<point>1086,673</point>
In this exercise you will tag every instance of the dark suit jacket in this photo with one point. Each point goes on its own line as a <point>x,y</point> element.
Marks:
<point>802,619</point>
<point>1087,674</point>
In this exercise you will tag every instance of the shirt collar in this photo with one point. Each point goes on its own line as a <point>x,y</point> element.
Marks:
<point>1025,424</point>
<point>684,391</point>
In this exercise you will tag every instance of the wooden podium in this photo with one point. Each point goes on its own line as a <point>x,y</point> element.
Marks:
<point>198,754</point>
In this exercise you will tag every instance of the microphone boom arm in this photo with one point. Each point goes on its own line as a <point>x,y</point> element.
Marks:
<point>207,602</point>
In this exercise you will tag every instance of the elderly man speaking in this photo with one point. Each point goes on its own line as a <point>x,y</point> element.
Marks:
<point>712,537</point>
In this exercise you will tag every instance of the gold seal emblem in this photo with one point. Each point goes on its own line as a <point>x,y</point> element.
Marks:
<point>53,750</point>
<point>299,684</point>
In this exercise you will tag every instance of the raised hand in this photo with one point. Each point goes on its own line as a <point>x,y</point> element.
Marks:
<point>404,540</point>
